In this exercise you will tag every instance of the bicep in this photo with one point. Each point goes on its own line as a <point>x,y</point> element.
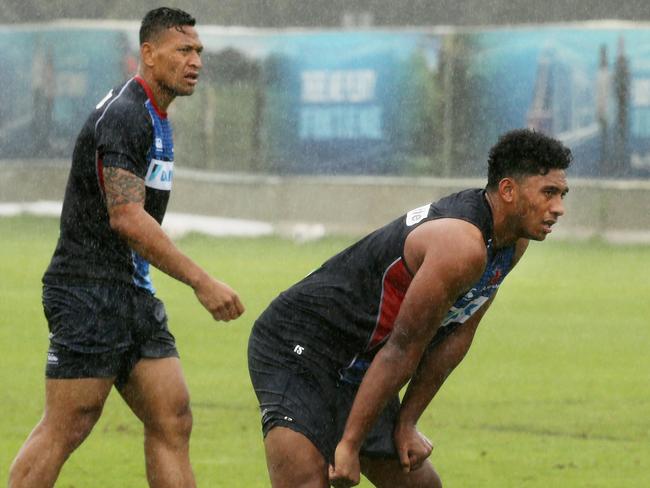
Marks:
<point>454,261</point>
<point>122,187</point>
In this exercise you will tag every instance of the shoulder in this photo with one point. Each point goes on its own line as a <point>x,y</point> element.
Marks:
<point>452,240</point>
<point>126,107</point>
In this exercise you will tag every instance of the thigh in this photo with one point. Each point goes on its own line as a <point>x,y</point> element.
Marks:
<point>387,473</point>
<point>293,396</point>
<point>74,404</point>
<point>156,389</point>
<point>150,333</point>
<point>294,461</point>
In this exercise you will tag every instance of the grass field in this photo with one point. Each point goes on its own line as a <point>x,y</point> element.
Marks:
<point>555,391</point>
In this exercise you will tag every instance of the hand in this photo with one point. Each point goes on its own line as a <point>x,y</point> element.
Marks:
<point>413,447</point>
<point>219,299</point>
<point>346,471</point>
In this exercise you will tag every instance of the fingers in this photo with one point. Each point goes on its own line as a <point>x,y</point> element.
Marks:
<point>229,310</point>
<point>405,460</point>
<point>416,461</point>
<point>338,480</point>
<point>239,306</point>
<point>427,442</point>
<point>413,456</point>
<point>220,300</point>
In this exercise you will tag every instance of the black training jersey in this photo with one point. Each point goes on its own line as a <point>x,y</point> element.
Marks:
<point>346,309</point>
<point>126,130</point>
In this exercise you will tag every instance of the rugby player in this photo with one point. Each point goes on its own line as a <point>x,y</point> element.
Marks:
<point>107,328</point>
<point>329,356</point>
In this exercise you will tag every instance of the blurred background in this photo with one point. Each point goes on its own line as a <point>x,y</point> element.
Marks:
<point>329,112</point>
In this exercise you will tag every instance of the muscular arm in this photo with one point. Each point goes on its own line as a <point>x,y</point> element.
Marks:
<point>437,363</point>
<point>450,256</point>
<point>125,195</point>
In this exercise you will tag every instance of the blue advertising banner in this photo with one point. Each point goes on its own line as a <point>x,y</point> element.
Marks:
<point>587,85</point>
<point>347,99</point>
<point>418,102</point>
<point>51,77</point>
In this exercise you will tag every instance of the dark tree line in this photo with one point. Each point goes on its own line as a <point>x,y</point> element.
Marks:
<point>331,13</point>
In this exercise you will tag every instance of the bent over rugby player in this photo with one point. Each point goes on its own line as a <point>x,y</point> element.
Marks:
<point>329,356</point>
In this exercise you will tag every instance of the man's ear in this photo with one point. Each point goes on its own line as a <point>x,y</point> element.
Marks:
<point>508,188</point>
<point>147,51</point>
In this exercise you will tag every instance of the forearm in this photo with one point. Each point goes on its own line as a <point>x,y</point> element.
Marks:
<point>436,365</point>
<point>125,196</point>
<point>146,237</point>
<point>388,373</point>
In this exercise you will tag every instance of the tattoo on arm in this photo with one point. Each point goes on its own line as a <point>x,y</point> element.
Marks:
<point>122,187</point>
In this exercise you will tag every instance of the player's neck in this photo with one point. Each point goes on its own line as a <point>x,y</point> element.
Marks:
<point>162,97</point>
<point>504,226</point>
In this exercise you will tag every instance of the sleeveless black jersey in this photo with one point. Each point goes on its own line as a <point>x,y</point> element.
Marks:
<point>126,130</point>
<point>346,309</point>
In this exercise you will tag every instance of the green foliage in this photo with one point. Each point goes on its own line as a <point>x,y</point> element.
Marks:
<point>553,393</point>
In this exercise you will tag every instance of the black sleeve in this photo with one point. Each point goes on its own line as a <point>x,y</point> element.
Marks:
<point>124,136</point>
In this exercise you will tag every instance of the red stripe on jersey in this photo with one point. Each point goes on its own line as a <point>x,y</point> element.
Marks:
<point>397,279</point>
<point>100,172</point>
<point>149,92</point>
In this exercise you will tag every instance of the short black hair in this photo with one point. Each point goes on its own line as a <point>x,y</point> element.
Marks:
<point>162,18</point>
<point>525,152</point>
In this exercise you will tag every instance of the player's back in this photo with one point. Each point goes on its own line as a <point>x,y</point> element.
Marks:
<point>355,296</point>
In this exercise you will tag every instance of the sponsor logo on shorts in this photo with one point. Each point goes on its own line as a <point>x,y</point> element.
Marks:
<point>52,358</point>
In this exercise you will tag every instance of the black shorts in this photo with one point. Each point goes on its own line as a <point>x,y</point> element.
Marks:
<point>310,400</point>
<point>103,330</point>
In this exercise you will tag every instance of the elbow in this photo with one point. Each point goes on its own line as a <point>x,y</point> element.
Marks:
<point>121,223</point>
<point>400,358</point>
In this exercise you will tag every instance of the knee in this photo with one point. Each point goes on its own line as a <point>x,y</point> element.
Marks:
<point>436,482</point>
<point>70,430</point>
<point>429,480</point>
<point>292,460</point>
<point>174,425</point>
<point>80,425</point>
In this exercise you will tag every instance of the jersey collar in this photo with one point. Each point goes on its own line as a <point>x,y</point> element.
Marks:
<point>149,93</point>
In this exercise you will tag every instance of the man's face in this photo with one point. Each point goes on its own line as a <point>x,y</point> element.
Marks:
<point>539,203</point>
<point>177,60</point>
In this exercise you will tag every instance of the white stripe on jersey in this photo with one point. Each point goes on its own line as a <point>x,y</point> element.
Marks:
<point>111,102</point>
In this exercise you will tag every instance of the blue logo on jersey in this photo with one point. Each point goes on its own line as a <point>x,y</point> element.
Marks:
<point>154,173</point>
<point>496,270</point>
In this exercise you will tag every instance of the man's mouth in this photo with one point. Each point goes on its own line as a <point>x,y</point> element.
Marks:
<point>192,78</point>
<point>548,224</point>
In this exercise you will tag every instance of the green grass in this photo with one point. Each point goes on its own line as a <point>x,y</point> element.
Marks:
<point>555,391</point>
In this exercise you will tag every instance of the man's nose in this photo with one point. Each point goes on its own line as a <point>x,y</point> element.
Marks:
<point>195,60</point>
<point>558,206</point>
